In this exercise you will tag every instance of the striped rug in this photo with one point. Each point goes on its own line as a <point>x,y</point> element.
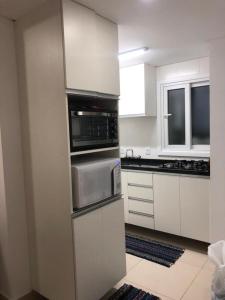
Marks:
<point>160,253</point>
<point>128,292</point>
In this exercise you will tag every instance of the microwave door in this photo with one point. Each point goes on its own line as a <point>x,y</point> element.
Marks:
<point>91,130</point>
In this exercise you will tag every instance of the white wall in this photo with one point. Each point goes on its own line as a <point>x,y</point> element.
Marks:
<point>145,132</point>
<point>138,131</point>
<point>14,256</point>
<point>184,70</point>
<point>217,111</point>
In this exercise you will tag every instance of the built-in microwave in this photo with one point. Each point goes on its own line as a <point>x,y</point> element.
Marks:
<point>95,181</point>
<point>93,122</point>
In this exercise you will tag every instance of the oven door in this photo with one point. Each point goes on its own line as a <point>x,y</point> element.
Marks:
<point>93,130</point>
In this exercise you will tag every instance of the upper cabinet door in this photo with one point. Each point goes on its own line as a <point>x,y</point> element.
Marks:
<point>91,50</point>
<point>107,56</point>
<point>80,46</point>
<point>137,91</point>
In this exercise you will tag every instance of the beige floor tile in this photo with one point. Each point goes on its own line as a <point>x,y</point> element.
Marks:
<point>194,258</point>
<point>131,261</point>
<point>200,288</point>
<point>209,266</point>
<point>171,282</point>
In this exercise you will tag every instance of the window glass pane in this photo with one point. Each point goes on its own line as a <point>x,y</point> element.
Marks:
<point>200,115</point>
<point>176,122</point>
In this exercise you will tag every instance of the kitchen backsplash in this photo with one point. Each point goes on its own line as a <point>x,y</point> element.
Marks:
<point>144,152</point>
<point>150,153</point>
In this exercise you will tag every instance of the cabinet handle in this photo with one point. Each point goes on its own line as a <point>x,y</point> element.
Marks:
<point>140,185</point>
<point>140,199</point>
<point>140,214</point>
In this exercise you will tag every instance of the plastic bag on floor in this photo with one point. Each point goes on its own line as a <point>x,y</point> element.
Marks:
<point>216,253</point>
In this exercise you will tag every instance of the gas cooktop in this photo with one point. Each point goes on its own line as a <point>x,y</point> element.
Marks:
<point>194,167</point>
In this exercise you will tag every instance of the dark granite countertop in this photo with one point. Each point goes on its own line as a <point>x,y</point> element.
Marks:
<point>155,165</point>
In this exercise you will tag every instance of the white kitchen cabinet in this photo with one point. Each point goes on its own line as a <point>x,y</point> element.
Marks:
<point>91,49</point>
<point>144,193</point>
<point>113,257</point>
<point>139,178</point>
<point>194,199</point>
<point>80,46</point>
<point>99,245</point>
<point>139,219</point>
<point>143,207</point>
<point>138,194</point>
<point>124,193</point>
<point>88,261</point>
<point>107,63</point>
<point>137,91</point>
<point>167,203</point>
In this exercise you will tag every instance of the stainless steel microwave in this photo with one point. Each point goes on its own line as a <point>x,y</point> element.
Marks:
<point>94,181</point>
<point>93,122</point>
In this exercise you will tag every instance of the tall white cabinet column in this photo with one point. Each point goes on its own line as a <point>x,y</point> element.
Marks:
<point>217,139</point>
<point>14,268</point>
<point>55,52</point>
<point>47,165</point>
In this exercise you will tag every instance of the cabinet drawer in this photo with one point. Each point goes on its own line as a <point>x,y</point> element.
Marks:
<point>140,206</point>
<point>140,192</point>
<point>141,220</point>
<point>139,178</point>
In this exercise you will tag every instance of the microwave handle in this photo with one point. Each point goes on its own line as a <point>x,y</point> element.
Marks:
<point>115,178</point>
<point>93,113</point>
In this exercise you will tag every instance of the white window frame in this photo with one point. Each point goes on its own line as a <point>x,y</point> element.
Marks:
<point>180,150</point>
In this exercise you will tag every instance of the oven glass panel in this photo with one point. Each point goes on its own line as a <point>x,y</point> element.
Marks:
<point>93,127</point>
<point>92,130</point>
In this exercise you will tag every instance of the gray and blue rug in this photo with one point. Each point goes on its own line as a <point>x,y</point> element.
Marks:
<point>160,253</point>
<point>128,292</point>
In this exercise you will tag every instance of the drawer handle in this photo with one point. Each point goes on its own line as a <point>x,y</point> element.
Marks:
<point>140,214</point>
<point>140,185</point>
<point>140,199</point>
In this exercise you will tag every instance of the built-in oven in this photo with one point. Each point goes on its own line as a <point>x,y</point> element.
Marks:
<point>93,122</point>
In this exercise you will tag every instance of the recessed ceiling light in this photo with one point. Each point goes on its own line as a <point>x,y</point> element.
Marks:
<point>132,53</point>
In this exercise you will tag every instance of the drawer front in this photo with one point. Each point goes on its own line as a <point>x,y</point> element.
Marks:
<point>140,192</point>
<point>141,220</point>
<point>139,178</point>
<point>140,206</point>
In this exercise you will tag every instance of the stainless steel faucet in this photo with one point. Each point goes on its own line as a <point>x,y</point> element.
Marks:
<point>132,152</point>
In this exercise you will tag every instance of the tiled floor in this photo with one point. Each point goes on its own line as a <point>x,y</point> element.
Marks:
<point>188,279</point>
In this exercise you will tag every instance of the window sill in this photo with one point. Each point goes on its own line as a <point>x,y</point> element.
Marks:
<point>132,116</point>
<point>136,116</point>
<point>191,153</point>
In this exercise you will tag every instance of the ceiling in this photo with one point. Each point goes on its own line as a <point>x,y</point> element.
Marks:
<point>174,30</point>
